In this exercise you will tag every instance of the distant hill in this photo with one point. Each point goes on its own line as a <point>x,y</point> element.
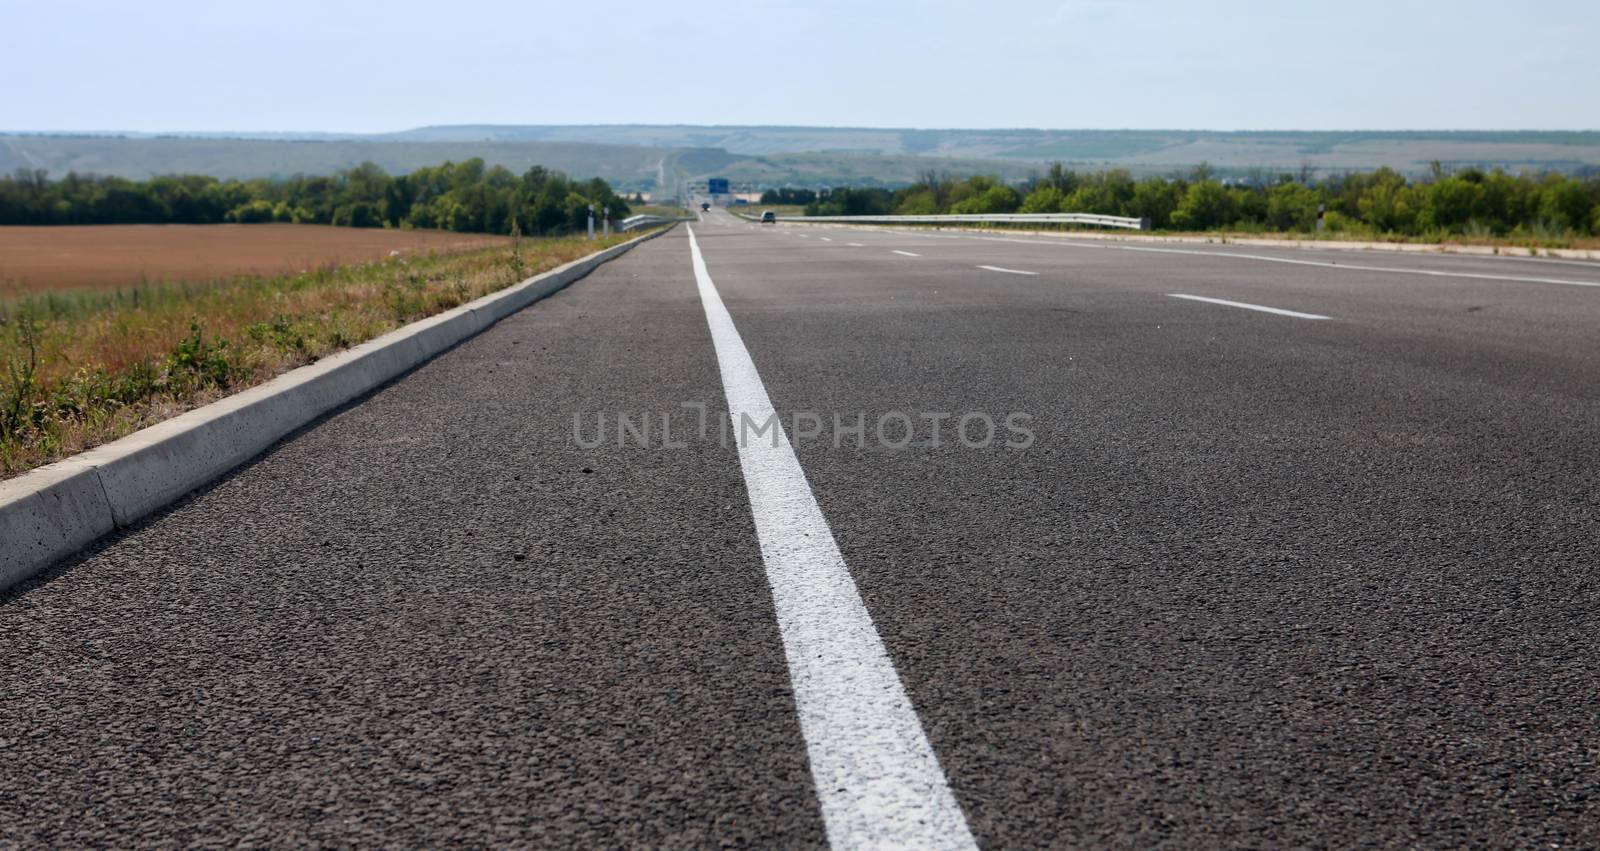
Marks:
<point>650,157</point>
<point>626,167</point>
<point>143,156</point>
<point>1141,150</point>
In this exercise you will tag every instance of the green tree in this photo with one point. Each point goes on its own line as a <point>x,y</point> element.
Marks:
<point>254,212</point>
<point>1566,203</point>
<point>921,202</point>
<point>1205,205</point>
<point>1387,204</point>
<point>1046,199</point>
<point>1292,207</point>
<point>361,214</point>
<point>1062,179</point>
<point>1449,203</point>
<point>1156,200</point>
<point>995,199</point>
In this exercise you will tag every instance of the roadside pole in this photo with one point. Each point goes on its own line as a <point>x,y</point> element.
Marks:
<point>605,220</point>
<point>591,222</point>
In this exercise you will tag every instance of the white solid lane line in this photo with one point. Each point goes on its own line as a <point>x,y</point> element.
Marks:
<point>906,253</point>
<point>1349,267</point>
<point>1280,311</point>
<point>877,779</point>
<point>1007,271</point>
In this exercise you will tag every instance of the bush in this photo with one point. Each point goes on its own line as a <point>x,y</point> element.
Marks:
<point>1292,207</point>
<point>1337,222</point>
<point>1045,199</point>
<point>995,199</point>
<point>358,215</point>
<point>1205,205</point>
<point>1565,204</point>
<point>920,203</point>
<point>255,212</point>
<point>847,201</point>
<point>1156,200</point>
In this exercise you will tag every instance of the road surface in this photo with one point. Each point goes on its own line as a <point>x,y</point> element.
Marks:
<point>1303,550</point>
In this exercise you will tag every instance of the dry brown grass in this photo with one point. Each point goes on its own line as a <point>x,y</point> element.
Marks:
<point>84,367</point>
<point>39,259</point>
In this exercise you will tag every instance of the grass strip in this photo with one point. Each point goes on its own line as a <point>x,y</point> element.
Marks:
<point>84,368</point>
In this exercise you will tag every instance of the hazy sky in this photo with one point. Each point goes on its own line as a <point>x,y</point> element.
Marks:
<point>355,65</point>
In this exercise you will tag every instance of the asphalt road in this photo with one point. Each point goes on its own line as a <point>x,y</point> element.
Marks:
<point>1260,580</point>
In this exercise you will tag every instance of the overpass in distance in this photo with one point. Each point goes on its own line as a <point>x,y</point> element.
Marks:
<point>1265,547</point>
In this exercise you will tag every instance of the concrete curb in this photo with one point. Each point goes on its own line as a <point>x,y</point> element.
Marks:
<point>52,512</point>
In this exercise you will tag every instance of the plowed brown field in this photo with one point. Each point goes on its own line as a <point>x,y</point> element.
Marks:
<point>33,259</point>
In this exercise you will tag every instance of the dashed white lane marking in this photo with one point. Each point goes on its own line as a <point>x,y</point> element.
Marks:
<point>1589,264</point>
<point>906,253</point>
<point>878,781</point>
<point>1355,267</point>
<point>1007,271</point>
<point>855,245</point>
<point>1437,273</point>
<point>824,239</point>
<point>1280,311</point>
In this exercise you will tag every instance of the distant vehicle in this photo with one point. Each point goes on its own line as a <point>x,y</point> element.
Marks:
<point>769,217</point>
<point>705,207</point>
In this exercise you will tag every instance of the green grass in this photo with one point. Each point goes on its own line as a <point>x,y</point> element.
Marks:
<point>83,368</point>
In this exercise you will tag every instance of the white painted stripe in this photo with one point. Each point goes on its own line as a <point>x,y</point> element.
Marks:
<point>1436,273</point>
<point>877,778</point>
<point>906,253</point>
<point>824,239</point>
<point>1007,271</point>
<point>1280,311</point>
<point>1348,267</point>
<point>855,245</point>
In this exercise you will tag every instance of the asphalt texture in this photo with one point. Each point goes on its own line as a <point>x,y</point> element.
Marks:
<point>1259,581</point>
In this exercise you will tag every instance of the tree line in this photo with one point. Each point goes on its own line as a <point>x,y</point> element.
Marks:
<point>464,196</point>
<point>1471,202</point>
<point>788,195</point>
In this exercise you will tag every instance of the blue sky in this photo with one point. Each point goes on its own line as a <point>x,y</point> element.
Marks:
<point>361,66</point>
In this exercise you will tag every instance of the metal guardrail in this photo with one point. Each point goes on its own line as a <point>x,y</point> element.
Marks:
<point>980,218</point>
<point>646,219</point>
